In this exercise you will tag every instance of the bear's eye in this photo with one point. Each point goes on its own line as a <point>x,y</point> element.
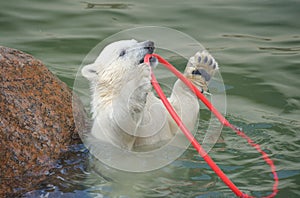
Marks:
<point>123,52</point>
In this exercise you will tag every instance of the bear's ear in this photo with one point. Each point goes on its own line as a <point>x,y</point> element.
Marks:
<point>89,72</point>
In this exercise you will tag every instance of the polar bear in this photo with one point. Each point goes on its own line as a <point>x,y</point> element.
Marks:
<point>125,111</point>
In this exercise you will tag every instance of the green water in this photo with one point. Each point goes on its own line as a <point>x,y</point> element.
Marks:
<point>257,45</point>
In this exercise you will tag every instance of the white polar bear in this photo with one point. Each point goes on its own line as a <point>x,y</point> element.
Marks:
<point>125,111</point>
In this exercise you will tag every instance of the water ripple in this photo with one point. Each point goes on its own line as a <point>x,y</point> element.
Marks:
<point>90,5</point>
<point>245,36</point>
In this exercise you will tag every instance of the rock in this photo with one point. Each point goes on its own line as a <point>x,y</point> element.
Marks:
<point>36,121</point>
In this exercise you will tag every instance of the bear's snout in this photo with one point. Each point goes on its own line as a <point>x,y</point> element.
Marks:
<point>149,45</point>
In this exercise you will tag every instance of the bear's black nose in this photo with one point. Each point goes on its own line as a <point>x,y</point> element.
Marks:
<point>149,45</point>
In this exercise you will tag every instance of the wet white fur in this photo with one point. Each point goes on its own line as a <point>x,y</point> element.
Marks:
<point>125,111</point>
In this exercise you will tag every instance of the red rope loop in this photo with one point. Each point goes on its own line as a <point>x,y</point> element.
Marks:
<point>221,118</point>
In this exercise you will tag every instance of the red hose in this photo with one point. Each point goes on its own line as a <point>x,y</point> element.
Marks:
<point>221,118</point>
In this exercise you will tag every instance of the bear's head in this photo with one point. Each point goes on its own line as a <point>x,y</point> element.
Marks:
<point>124,53</point>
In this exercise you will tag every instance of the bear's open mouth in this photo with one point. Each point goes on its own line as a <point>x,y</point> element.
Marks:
<point>151,60</point>
<point>150,51</point>
<point>141,61</point>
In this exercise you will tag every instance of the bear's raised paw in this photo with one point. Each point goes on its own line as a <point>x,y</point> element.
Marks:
<point>202,63</point>
<point>200,68</point>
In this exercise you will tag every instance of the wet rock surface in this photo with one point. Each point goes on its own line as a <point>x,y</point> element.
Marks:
<point>36,121</point>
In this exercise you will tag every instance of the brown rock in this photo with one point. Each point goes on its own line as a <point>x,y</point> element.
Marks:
<point>36,121</point>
